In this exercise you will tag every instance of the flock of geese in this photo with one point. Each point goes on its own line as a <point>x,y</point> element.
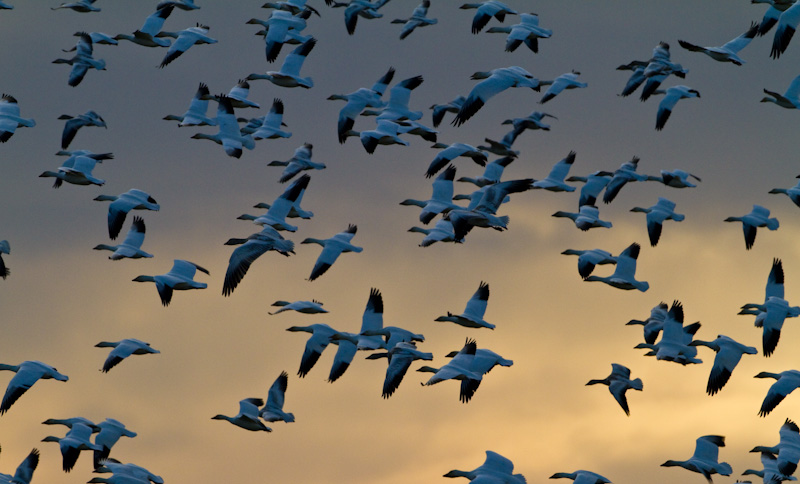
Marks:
<point>380,116</point>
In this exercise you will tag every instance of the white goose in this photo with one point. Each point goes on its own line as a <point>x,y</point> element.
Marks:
<point>568,80</point>
<point>320,338</point>
<point>593,185</point>
<point>472,317</point>
<point>272,123</point>
<point>456,369</point>
<point>450,152</point>
<point>705,459</point>
<point>280,208</point>
<point>588,259</point>
<point>789,99</point>
<point>441,232</point>
<point>10,119</point>
<point>76,440</point>
<point>586,218</point>
<point>671,98</point>
<point>179,278</point>
<point>727,52</point>
<point>485,11</point>
<point>301,160</point>
<point>131,247</point>
<point>495,469</point>
<point>186,5</point>
<point>27,373</point>
<point>441,200</point>
<point>653,325</point>
<point>758,217</point>
<point>785,383</point>
<point>729,353</point>
<point>123,349</point>
<point>247,418</point>
<point>82,6</point>
<point>348,346</point>
<point>533,122</point>
<point>675,344</point>
<point>289,75</point>
<point>385,133</point>
<point>619,382</point>
<point>228,136</point>
<point>82,61</point>
<point>296,211</point>
<point>491,174</point>
<point>775,287</point>
<point>74,123</point>
<point>676,179</point>
<point>24,472</point>
<point>439,110</point>
<point>272,411</point>
<point>147,35</point>
<point>482,363</point>
<point>555,180</point>
<point>787,451</point>
<point>494,82</point>
<point>281,26</point>
<point>128,470</point>
<point>196,114</point>
<point>400,356</point>
<point>787,24</point>
<point>251,249</point>
<point>304,307</point>
<point>133,199</point>
<point>419,18</point>
<point>656,215</point>
<point>793,193</point>
<point>623,175</point>
<point>399,96</point>
<point>581,477</point>
<point>331,248</point>
<point>183,41</point>
<point>111,430</point>
<point>623,276</point>
<point>77,170</point>
<point>771,317</point>
<point>527,30</point>
<point>358,101</point>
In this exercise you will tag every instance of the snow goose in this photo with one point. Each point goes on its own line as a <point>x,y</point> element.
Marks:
<point>97,38</point>
<point>348,346</point>
<point>727,52</point>
<point>27,373</point>
<point>5,248</point>
<point>586,218</point>
<point>568,80</point>
<point>622,175</point>
<point>456,369</point>
<point>729,353</point>
<point>196,114</point>
<point>771,316</point>
<point>775,287</point>
<point>499,148</point>
<point>81,6</point>
<point>181,4</point>
<point>623,276</point>
<point>238,96</point>
<point>441,232</point>
<point>417,129</point>
<point>360,8</point>
<point>533,121</point>
<point>484,203</point>
<point>482,363</point>
<point>581,477</point>
<point>441,200</point>
<point>619,382</point>
<point>758,217</point>
<point>128,470</point>
<point>472,317</point>
<point>770,472</point>
<point>10,119</point>
<point>82,61</point>
<point>491,174</point>
<point>773,13</point>
<point>184,40</point>
<point>280,27</point>
<point>485,11</point>
<point>131,247</point>
<point>495,469</point>
<point>74,123</point>
<point>289,75</point>
<point>247,418</point>
<point>401,355</point>
<point>248,251</point>
<point>589,258</point>
<point>133,199</point>
<point>24,472</point>
<point>294,212</point>
<point>147,35</point>
<point>272,122</point>
<point>69,422</point>
<point>593,185</point>
<point>494,82</point>
<point>555,180</point>
<point>320,338</point>
<point>385,133</point>
<point>293,6</point>
<point>399,96</point>
<point>76,170</point>
<point>785,383</point>
<point>787,24</point>
<point>789,99</point>
<point>111,430</point>
<point>331,248</point>
<point>123,349</point>
<point>301,160</point>
<point>653,325</point>
<point>304,307</point>
<point>228,135</point>
<point>527,30</point>
<point>179,278</point>
<point>272,411</point>
<point>279,210</point>
<point>392,336</point>
<point>451,152</point>
<point>369,337</point>
<point>675,344</point>
<point>793,193</point>
<point>656,215</point>
<point>676,179</point>
<point>787,451</point>
<point>439,110</point>
<point>705,459</point>
<point>359,100</point>
<point>673,95</point>
<point>419,18</point>
<point>76,440</point>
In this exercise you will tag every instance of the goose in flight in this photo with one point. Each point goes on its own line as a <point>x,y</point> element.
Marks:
<point>272,411</point>
<point>228,135</point>
<point>593,185</point>
<point>532,121</point>
<point>81,6</point>
<point>441,232</point>
<point>785,383</point>
<point>24,472</point>
<point>331,248</point>
<point>676,179</point>
<point>499,148</point>
<point>76,440</point>
<point>348,346</point>
<point>441,200</point>
<point>787,451</point>
<point>675,344</point>
<point>186,5</point>
<point>671,98</point>
<point>76,170</point>
<point>472,317</point>
<point>658,69</point>
<point>491,174</point>
<point>770,472</point>
<point>450,152</point>
<point>771,316</point>
<point>97,38</point>
<point>369,337</point>
<point>623,276</point>
<point>27,373</point>
<point>5,248</point>
<point>456,369</point>
<point>495,469</point>
<point>527,30</point>
<point>656,215</point>
<point>247,418</point>
<point>622,175</point>
<point>773,13</point>
<point>589,258</point>
<point>280,208</point>
<point>789,99</point>
<point>586,218</point>
<point>301,160</point>
<point>400,356</point>
<point>179,278</point>
<point>727,52</point>
<point>128,470</point>
<point>295,7</point>
<point>385,133</point>
<point>793,193</point>
<point>304,307</point>
<point>581,477</point>
<point>123,349</point>
<point>147,36</point>
<point>555,180</point>
<point>320,338</point>
<point>133,199</point>
<point>399,96</point>
<point>568,80</point>
<point>787,24</point>
<point>111,430</point>
<point>653,325</point>
<point>10,119</point>
<point>619,382</point>
<point>272,123</point>
<point>184,40</point>
<point>358,8</point>
<point>196,114</point>
<point>483,206</point>
<point>482,363</point>
<point>359,100</point>
<point>729,353</point>
<point>775,287</point>
<point>74,123</point>
<point>82,61</point>
<point>289,74</point>
<point>248,251</point>
<point>131,247</point>
<point>281,26</point>
<point>705,459</point>
<point>758,217</point>
<point>439,110</point>
<point>485,11</point>
<point>419,18</point>
<point>295,211</point>
<point>494,82</point>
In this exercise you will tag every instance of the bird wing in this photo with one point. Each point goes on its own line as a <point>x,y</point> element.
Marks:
<point>476,306</point>
<point>277,392</point>
<point>344,356</point>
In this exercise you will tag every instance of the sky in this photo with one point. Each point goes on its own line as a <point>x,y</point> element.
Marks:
<point>62,297</point>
